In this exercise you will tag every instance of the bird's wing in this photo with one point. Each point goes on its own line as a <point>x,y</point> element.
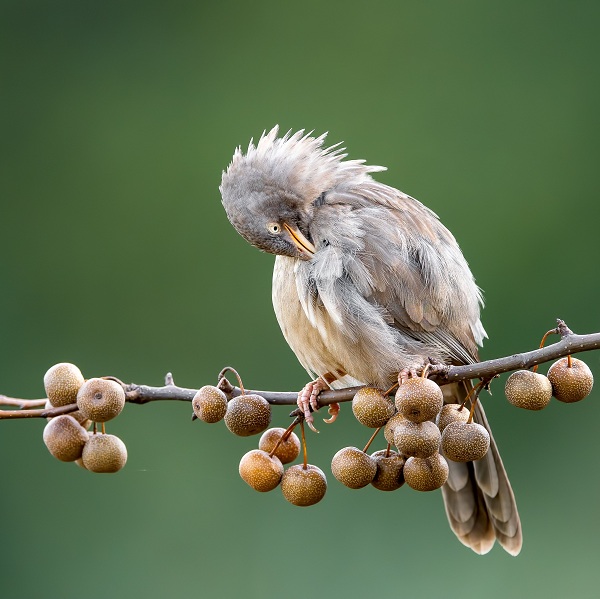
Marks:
<point>403,262</point>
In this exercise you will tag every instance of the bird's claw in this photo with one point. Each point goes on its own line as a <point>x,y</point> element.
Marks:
<point>413,371</point>
<point>308,400</point>
<point>334,410</point>
<point>405,374</point>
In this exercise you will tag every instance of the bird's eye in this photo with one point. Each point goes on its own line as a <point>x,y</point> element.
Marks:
<point>274,228</point>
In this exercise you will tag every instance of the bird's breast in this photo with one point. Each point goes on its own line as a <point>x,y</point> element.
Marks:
<point>311,333</point>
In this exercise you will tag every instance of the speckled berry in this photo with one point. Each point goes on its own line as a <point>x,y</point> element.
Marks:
<point>390,427</point>
<point>353,467</point>
<point>390,466</point>
<point>100,400</point>
<point>287,451</point>
<point>260,470</point>
<point>210,404</point>
<point>248,415</point>
<point>62,382</point>
<point>65,437</point>
<point>462,442</point>
<point>426,474</point>
<point>417,439</point>
<point>104,453</point>
<point>419,399</point>
<point>451,412</point>
<point>570,384</point>
<point>528,390</point>
<point>371,407</point>
<point>303,486</point>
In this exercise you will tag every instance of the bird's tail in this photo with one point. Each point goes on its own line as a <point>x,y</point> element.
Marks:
<point>479,500</point>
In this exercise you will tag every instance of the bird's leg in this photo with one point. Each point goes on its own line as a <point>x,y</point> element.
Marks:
<point>308,398</point>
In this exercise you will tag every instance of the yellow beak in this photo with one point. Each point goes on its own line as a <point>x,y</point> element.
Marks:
<point>305,247</point>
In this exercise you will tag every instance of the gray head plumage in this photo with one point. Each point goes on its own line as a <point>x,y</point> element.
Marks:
<point>277,180</point>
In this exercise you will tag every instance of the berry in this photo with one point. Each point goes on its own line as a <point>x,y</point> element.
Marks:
<point>371,407</point>
<point>389,475</point>
<point>419,399</point>
<point>287,451</point>
<point>528,390</point>
<point>570,383</point>
<point>62,382</point>
<point>104,453</point>
<point>210,404</point>
<point>353,467</point>
<point>451,412</point>
<point>100,400</point>
<point>418,440</point>
<point>303,486</point>
<point>390,427</point>
<point>426,474</point>
<point>260,470</point>
<point>65,437</point>
<point>248,415</point>
<point>462,442</point>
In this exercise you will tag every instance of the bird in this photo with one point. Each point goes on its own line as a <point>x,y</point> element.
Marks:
<point>368,286</point>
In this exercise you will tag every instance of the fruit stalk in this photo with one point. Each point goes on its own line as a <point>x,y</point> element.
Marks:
<point>372,439</point>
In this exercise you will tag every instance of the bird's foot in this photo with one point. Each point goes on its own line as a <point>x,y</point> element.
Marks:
<point>407,373</point>
<point>308,398</point>
<point>413,371</point>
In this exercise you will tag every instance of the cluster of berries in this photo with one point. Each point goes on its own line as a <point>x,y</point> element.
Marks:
<point>67,436</point>
<point>569,380</point>
<point>424,431</point>
<point>262,468</point>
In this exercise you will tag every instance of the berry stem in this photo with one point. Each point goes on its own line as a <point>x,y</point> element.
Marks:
<point>387,450</point>
<point>115,379</point>
<point>543,341</point>
<point>569,361</point>
<point>103,429</point>
<point>231,369</point>
<point>473,404</point>
<point>477,386</point>
<point>476,390</point>
<point>305,465</point>
<point>425,371</point>
<point>371,439</point>
<point>285,435</point>
<point>392,388</point>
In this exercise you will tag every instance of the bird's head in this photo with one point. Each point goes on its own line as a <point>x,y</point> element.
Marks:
<point>271,193</point>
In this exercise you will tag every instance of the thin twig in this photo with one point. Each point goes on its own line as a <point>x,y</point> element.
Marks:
<point>23,404</point>
<point>49,413</point>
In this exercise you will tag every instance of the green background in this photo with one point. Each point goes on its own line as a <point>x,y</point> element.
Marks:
<point>117,119</point>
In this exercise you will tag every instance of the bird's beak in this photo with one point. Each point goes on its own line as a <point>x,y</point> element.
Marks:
<point>306,248</point>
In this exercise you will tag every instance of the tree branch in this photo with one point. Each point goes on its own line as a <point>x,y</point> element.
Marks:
<point>22,404</point>
<point>570,343</point>
<point>34,413</point>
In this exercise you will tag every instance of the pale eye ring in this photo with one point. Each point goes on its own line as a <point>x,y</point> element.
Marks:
<point>274,228</point>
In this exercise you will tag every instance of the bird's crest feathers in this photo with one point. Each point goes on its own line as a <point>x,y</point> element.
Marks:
<point>298,162</point>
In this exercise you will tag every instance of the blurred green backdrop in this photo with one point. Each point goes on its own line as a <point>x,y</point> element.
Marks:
<point>117,119</point>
